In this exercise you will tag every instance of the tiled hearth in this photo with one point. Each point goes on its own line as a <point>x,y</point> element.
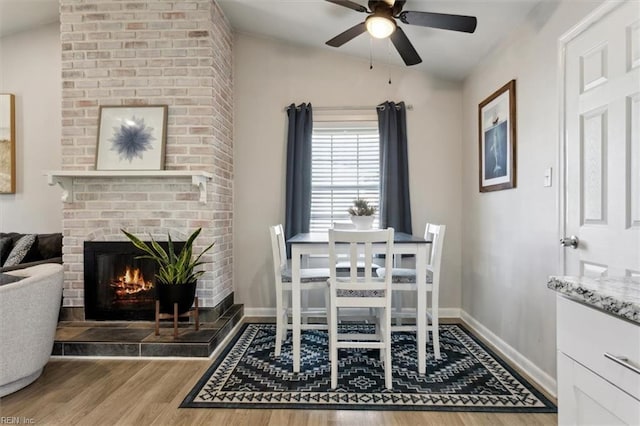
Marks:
<point>138,339</point>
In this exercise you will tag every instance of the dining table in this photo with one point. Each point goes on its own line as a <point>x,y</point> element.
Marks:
<point>317,243</point>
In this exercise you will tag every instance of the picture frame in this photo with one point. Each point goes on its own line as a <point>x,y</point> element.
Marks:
<point>497,139</point>
<point>7,143</point>
<point>131,137</point>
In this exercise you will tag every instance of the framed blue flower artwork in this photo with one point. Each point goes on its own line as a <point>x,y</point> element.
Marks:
<point>131,137</point>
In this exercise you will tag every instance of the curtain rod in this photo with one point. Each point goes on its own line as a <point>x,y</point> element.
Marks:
<point>351,108</point>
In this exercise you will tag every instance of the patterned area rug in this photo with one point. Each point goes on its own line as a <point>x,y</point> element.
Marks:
<point>469,377</point>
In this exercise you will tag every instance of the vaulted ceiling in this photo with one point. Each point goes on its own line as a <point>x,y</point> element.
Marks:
<point>444,53</point>
<point>311,23</point>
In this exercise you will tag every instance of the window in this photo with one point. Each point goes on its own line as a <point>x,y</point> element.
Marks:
<point>345,165</point>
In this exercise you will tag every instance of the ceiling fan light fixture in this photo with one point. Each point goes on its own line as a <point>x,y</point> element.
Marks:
<point>380,26</point>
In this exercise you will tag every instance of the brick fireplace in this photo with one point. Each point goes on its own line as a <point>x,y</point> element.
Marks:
<point>149,52</point>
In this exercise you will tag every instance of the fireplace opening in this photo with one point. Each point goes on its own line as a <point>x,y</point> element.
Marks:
<point>118,285</point>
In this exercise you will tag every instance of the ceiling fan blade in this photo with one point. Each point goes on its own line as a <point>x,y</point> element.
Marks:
<point>404,47</point>
<point>346,36</point>
<point>443,21</point>
<point>349,4</point>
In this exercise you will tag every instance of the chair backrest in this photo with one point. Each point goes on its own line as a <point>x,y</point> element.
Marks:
<point>278,250</point>
<point>436,234</point>
<point>360,247</point>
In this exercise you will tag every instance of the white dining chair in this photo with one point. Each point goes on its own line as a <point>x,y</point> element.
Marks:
<point>310,279</point>
<point>404,280</point>
<point>343,261</point>
<point>354,291</point>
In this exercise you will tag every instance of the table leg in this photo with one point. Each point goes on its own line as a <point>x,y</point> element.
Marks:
<point>295,305</point>
<point>421,307</point>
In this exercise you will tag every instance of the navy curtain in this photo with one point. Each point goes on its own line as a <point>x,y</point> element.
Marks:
<point>395,206</point>
<point>298,196</point>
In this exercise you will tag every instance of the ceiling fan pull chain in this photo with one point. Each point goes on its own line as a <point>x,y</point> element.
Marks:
<point>389,58</point>
<point>370,53</point>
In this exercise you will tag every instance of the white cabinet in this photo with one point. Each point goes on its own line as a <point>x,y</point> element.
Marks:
<point>594,389</point>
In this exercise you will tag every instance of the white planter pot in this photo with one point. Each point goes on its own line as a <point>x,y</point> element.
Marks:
<point>362,222</point>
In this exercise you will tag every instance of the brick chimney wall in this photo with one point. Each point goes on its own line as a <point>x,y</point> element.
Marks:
<point>149,52</point>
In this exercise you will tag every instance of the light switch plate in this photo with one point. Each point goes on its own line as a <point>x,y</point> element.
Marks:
<point>547,176</point>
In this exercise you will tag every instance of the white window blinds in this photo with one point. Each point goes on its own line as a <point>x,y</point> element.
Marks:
<point>345,165</point>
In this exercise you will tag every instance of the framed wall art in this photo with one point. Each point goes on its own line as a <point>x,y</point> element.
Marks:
<point>497,139</point>
<point>131,137</point>
<point>7,144</point>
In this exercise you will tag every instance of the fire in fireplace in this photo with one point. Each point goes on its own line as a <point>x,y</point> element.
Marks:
<point>131,284</point>
<point>118,284</point>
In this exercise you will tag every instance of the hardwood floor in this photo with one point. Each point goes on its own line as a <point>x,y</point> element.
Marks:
<point>148,392</point>
<point>145,392</point>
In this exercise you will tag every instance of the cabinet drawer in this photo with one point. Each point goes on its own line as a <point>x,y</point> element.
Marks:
<point>585,334</point>
<point>584,398</point>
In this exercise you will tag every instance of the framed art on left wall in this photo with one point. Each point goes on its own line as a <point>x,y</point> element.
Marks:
<point>7,144</point>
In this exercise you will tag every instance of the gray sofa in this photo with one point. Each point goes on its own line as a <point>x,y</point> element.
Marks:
<point>47,248</point>
<point>28,320</point>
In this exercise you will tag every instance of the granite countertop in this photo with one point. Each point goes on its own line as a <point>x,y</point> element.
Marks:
<point>618,296</point>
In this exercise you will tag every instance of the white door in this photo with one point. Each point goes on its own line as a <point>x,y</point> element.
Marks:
<point>602,142</point>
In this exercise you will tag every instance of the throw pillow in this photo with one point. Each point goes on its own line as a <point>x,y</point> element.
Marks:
<point>8,279</point>
<point>20,250</point>
<point>5,248</point>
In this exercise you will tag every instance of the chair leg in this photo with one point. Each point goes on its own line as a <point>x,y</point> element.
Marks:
<point>429,315</point>
<point>333,342</point>
<point>388,367</point>
<point>304,305</point>
<point>435,327</point>
<point>327,304</point>
<point>380,329</point>
<point>398,307</point>
<point>286,307</point>
<point>280,326</point>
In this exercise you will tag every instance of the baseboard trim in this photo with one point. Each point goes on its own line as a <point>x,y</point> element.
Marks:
<point>543,379</point>
<point>259,312</point>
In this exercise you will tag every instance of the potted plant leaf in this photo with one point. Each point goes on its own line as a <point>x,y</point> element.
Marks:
<point>177,276</point>
<point>362,213</point>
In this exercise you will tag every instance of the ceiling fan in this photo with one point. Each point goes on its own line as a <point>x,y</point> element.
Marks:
<point>381,23</point>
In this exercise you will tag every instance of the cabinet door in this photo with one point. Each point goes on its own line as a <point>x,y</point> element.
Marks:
<point>584,398</point>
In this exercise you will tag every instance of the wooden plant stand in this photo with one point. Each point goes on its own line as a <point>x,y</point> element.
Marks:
<point>192,312</point>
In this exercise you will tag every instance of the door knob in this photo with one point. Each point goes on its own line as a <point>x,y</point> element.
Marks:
<point>571,241</point>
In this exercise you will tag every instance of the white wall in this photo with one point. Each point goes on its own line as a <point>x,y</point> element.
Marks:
<point>510,243</point>
<point>30,69</point>
<point>271,75</point>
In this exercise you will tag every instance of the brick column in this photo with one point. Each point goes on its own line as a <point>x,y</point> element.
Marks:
<point>149,52</point>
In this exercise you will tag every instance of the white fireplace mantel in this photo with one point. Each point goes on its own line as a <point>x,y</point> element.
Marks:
<point>65,178</point>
